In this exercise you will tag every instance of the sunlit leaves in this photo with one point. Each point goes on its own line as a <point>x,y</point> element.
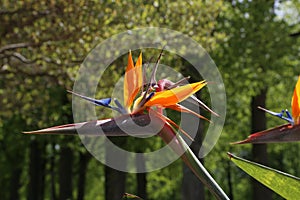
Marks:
<point>282,183</point>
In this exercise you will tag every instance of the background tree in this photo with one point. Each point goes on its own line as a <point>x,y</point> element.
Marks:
<point>258,47</point>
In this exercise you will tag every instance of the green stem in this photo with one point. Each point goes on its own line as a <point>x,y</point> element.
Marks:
<point>175,141</point>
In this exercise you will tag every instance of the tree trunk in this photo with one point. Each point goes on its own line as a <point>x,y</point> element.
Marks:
<point>114,179</point>
<point>65,173</point>
<point>52,173</point>
<point>259,151</point>
<point>229,182</point>
<point>192,188</point>
<point>36,171</point>
<point>15,183</point>
<point>114,184</point>
<point>66,159</point>
<point>83,163</point>
<point>141,177</point>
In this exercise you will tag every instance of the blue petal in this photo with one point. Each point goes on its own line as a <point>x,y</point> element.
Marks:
<point>280,115</point>
<point>289,118</point>
<point>99,102</point>
<point>103,102</point>
<point>289,114</point>
<point>120,107</point>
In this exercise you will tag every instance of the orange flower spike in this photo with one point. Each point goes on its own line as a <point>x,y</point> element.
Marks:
<point>296,103</point>
<point>139,72</point>
<point>170,97</point>
<point>181,108</point>
<point>166,119</point>
<point>129,83</point>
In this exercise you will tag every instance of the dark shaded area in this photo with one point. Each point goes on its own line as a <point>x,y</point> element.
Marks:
<point>66,173</point>
<point>259,151</point>
<point>36,171</point>
<point>84,159</point>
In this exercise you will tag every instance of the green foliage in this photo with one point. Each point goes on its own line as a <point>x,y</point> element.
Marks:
<point>95,176</point>
<point>162,184</point>
<point>284,184</point>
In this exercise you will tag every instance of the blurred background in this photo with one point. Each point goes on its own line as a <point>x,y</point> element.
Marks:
<point>255,45</point>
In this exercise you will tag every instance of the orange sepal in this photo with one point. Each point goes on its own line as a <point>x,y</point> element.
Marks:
<point>138,78</point>
<point>168,120</point>
<point>129,82</point>
<point>296,103</point>
<point>181,108</point>
<point>170,97</point>
<point>139,71</point>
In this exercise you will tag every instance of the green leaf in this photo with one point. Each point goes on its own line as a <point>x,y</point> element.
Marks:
<point>282,183</point>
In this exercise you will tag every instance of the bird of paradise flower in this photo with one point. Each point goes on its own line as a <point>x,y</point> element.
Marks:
<point>284,133</point>
<point>286,185</point>
<point>142,98</point>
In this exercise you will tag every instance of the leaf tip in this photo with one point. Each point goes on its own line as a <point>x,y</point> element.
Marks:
<point>230,155</point>
<point>240,142</point>
<point>30,132</point>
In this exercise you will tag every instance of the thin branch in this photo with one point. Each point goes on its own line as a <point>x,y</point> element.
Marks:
<point>22,58</point>
<point>15,46</point>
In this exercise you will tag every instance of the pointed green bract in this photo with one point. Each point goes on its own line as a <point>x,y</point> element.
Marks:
<point>282,183</point>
